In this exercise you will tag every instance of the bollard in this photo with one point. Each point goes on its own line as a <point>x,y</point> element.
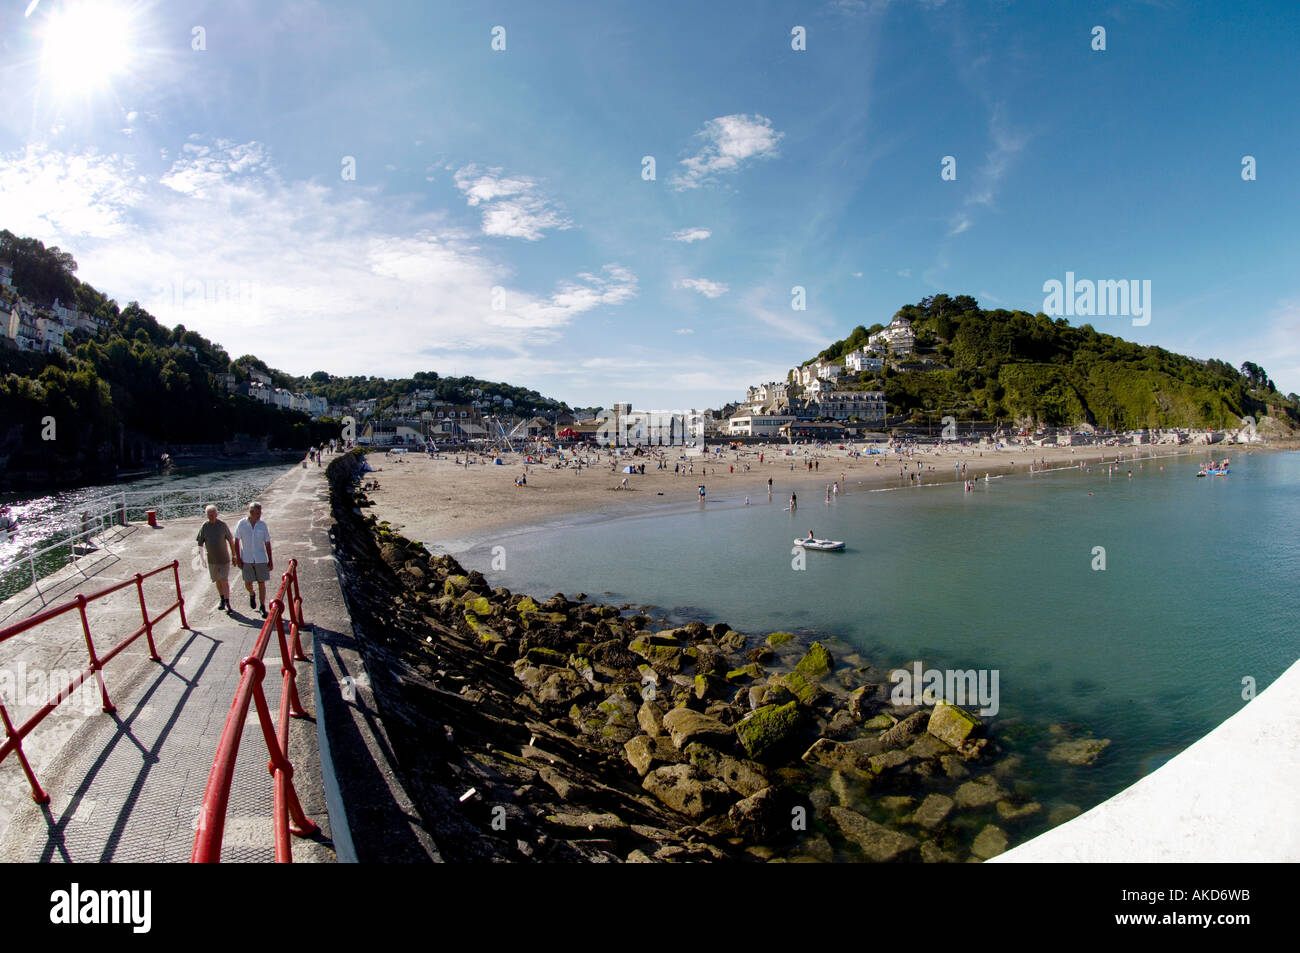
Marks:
<point>152,517</point>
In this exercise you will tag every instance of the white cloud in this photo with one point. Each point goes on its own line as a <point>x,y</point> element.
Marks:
<point>36,197</point>
<point>305,276</point>
<point>513,206</point>
<point>691,235</point>
<point>684,331</point>
<point>1007,144</point>
<point>729,143</point>
<point>710,289</point>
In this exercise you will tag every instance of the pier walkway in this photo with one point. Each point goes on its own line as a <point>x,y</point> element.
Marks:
<point>127,785</point>
<point>1229,798</point>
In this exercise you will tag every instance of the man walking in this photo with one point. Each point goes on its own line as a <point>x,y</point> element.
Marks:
<point>219,551</point>
<point>253,555</point>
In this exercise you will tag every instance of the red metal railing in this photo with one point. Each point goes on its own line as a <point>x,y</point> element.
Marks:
<point>14,736</point>
<point>212,816</point>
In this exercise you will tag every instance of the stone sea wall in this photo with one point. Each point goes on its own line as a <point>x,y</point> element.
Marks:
<point>563,730</point>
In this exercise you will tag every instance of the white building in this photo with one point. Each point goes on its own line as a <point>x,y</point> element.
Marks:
<point>862,360</point>
<point>50,331</point>
<point>898,339</point>
<point>758,425</point>
<point>70,317</point>
<point>817,370</point>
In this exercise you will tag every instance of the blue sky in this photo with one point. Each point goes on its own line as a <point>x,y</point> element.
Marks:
<point>499,223</point>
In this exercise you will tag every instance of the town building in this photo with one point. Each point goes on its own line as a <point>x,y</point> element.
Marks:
<point>758,425</point>
<point>845,404</point>
<point>863,360</point>
<point>898,339</point>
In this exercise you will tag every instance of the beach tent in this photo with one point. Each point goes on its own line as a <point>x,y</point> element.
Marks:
<point>499,462</point>
<point>629,469</point>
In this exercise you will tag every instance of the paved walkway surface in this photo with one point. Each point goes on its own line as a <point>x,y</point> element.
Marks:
<point>1229,798</point>
<point>126,786</point>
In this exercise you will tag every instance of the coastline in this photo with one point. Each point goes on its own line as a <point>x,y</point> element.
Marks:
<point>883,781</point>
<point>451,508</point>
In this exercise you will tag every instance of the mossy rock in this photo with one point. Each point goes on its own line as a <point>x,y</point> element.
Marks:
<point>524,606</point>
<point>769,730</point>
<point>666,656</point>
<point>485,633</point>
<point>778,639</point>
<point>544,656</point>
<point>455,585</point>
<point>816,663</point>
<point>745,673</point>
<point>479,605</point>
<point>806,690</point>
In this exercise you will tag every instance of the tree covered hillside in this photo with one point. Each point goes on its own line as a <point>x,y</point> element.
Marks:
<point>1012,365</point>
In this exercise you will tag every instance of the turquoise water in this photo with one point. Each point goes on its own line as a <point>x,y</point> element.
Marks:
<point>1198,591</point>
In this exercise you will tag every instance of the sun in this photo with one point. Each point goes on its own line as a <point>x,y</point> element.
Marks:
<point>86,44</point>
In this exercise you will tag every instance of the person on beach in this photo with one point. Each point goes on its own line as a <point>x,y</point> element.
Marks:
<point>794,501</point>
<point>253,555</point>
<point>219,552</point>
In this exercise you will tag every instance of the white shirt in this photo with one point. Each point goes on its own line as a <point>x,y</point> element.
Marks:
<point>252,539</point>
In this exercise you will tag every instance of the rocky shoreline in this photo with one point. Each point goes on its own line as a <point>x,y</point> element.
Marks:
<point>566,730</point>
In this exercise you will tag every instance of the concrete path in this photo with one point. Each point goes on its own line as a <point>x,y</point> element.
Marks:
<point>1229,798</point>
<point>127,786</point>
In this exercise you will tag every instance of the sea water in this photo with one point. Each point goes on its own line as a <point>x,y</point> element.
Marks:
<point>1196,603</point>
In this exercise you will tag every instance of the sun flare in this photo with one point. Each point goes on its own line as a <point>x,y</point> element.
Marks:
<point>86,46</point>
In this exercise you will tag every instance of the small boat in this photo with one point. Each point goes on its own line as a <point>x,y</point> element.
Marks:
<point>1223,472</point>
<point>826,545</point>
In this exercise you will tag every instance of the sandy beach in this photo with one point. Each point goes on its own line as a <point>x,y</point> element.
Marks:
<point>448,505</point>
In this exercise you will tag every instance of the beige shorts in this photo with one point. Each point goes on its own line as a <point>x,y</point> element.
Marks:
<point>218,572</point>
<point>256,572</point>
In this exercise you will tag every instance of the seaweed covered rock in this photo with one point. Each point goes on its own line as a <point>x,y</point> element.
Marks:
<point>952,725</point>
<point>816,663</point>
<point>770,731</point>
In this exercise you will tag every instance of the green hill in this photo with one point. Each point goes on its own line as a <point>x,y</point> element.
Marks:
<point>1015,366</point>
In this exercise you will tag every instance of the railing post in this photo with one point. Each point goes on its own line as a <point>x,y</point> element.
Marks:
<point>144,613</point>
<point>286,661</point>
<point>180,599</point>
<point>38,793</point>
<point>95,667</point>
